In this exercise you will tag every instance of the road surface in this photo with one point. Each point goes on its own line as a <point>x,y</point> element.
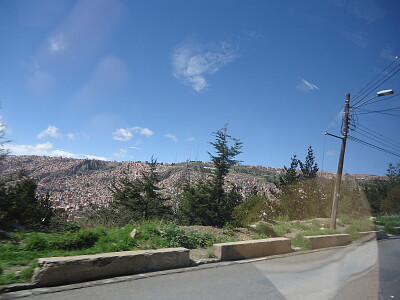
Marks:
<point>367,271</point>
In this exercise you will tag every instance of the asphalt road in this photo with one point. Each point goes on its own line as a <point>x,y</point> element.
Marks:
<point>368,271</point>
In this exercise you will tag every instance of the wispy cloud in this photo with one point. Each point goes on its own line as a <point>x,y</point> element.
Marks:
<point>306,86</point>
<point>57,43</point>
<point>330,153</point>
<point>126,134</point>
<point>71,136</point>
<point>387,53</point>
<point>172,137</point>
<point>135,148</point>
<point>122,153</point>
<point>46,149</point>
<point>191,139</point>
<point>192,62</point>
<point>50,131</point>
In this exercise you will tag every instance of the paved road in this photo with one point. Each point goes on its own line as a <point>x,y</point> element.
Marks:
<point>342,273</point>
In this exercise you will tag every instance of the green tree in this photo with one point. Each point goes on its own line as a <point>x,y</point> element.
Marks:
<point>141,197</point>
<point>391,204</point>
<point>300,193</point>
<point>291,175</point>
<point>3,152</point>
<point>20,206</point>
<point>377,191</point>
<point>208,202</point>
<point>309,168</point>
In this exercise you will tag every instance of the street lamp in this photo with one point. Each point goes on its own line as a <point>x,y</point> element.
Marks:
<point>378,94</point>
<point>343,148</point>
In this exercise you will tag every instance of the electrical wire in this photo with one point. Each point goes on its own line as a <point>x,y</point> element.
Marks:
<point>381,81</point>
<point>378,135</point>
<point>357,140</point>
<point>396,148</point>
<point>381,99</point>
<point>366,86</point>
<point>372,112</point>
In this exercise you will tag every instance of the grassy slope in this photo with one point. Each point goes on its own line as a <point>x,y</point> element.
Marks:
<point>19,251</point>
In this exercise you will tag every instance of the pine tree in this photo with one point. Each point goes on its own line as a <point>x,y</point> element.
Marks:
<point>309,168</point>
<point>207,202</point>
<point>141,196</point>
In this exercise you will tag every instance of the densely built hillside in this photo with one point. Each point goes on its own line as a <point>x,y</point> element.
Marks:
<point>73,183</point>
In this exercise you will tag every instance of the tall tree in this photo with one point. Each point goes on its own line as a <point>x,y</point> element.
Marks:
<point>309,168</point>
<point>290,176</point>
<point>207,202</point>
<point>226,148</point>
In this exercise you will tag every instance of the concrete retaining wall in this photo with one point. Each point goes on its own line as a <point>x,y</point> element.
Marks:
<point>325,241</point>
<point>64,270</point>
<point>379,235</point>
<point>252,249</point>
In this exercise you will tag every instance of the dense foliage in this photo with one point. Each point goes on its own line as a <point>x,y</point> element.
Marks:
<point>141,197</point>
<point>20,207</point>
<point>384,195</point>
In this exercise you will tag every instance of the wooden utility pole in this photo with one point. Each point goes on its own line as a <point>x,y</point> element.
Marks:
<point>336,192</point>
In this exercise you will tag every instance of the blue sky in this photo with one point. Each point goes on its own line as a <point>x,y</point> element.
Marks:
<point>125,80</point>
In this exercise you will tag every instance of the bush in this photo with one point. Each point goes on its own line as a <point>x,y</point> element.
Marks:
<point>36,242</point>
<point>79,240</point>
<point>264,230</point>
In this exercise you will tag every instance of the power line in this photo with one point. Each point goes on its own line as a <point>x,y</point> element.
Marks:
<point>377,84</point>
<point>396,148</point>
<point>383,113</point>
<point>382,99</point>
<point>357,140</point>
<point>361,91</point>
<point>377,134</point>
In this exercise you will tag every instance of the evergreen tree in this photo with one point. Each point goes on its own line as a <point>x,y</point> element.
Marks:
<point>141,197</point>
<point>309,168</point>
<point>207,202</point>
<point>20,206</point>
<point>291,176</point>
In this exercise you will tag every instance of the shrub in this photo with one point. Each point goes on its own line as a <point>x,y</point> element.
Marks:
<point>79,240</point>
<point>36,242</point>
<point>264,230</point>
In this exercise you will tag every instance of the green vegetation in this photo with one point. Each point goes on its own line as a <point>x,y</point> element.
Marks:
<point>20,206</point>
<point>388,223</point>
<point>19,251</point>
<point>141,197</point>
<point>384,195</point>
<point>207,202</point>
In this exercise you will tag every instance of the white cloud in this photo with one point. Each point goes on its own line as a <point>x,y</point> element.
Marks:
<point>172,137</point>
<point>142,131</point>
<point>71,136</point>
<point>57,43</point>
<point>330,153</point>
<point>192,63</point>
<point>50,131</point>
<point>46,149</point>
<point>306,86</point>
<point>122,135</point>
<point>126,134</point>
<point>120,154</point>
<point>191,139</point>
